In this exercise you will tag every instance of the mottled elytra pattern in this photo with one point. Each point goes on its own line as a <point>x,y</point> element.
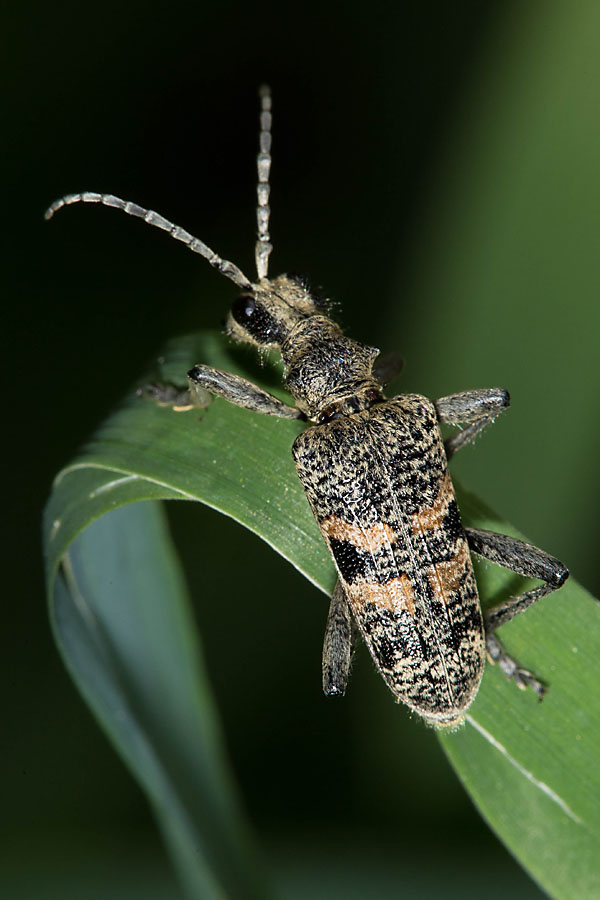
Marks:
<point>375,473</point>
<point>386,508</point>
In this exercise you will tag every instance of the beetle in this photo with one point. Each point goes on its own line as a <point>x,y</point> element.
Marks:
<point>375,473</point>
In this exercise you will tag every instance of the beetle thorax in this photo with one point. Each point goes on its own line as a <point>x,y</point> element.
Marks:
<point>328,373</point>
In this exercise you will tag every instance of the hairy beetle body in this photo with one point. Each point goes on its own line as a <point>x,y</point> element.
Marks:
<point>375,474</point>
<point>378,485</point>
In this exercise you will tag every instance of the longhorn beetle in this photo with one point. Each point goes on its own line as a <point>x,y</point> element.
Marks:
<point>376,477</point>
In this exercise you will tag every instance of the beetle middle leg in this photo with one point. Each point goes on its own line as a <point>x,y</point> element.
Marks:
<point>527,560</point>
<point>475,409</point>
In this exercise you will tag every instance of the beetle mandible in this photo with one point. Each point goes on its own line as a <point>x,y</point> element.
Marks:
<point>376,477</point>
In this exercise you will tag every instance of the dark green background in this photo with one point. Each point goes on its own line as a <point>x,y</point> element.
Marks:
<point>436,171</point>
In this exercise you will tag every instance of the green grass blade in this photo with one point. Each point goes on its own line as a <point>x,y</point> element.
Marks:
<point>531,768</point>
<point>122,621</point>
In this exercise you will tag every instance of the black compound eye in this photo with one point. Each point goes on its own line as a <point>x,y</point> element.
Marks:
<point>251,315</point>
<point>243,308</point>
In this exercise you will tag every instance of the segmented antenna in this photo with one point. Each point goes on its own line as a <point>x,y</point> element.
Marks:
<point>229,269</point>
<point>263,189</point>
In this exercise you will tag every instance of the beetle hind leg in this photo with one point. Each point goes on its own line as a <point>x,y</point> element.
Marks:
<point>509,666</point>
<point>337,645</point>
<point>527,560</point>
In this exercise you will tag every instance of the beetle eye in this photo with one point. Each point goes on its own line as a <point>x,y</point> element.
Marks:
<point>251,315</point>
<point>243,308</point>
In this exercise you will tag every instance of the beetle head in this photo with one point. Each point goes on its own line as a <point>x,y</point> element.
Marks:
<point>265,314</point>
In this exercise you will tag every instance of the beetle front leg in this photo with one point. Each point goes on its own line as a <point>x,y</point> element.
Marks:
<point>475,409</point>
<point>178,399</point>
<point>525,559</point>
<point>337,645</point>
<point>240,392</point>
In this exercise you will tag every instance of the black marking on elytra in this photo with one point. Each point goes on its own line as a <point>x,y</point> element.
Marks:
<point>452,523</point>
<point>388,649</point>
<point>352,563</point>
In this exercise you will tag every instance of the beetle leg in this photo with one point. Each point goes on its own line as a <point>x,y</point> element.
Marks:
<point>525,559</point>
<point>475,409</point>
<point>179,399</point>
<point>240,392</point>
<point>337,646</point>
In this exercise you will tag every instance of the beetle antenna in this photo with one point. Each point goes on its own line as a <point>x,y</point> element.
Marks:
<point>229,269</point>
<point>263,188</point>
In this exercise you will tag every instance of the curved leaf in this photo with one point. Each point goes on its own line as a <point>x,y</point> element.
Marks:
<point>122,623</point>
